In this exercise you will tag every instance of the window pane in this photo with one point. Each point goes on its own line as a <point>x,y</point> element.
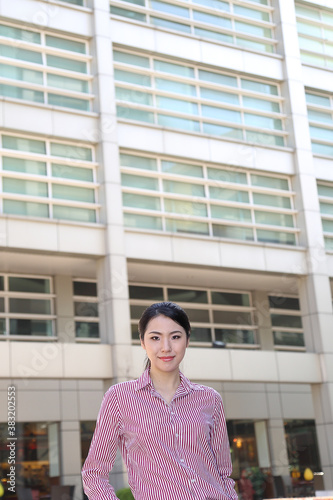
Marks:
<point>262,121</point>
<point>276,237</point>
<point>221,37</point>
<point>29,306</point>
<point>22,74</point>
<point>262,138</point>
<point>182,226</point>
<point>286,320</point>
<point>237,233</point>
<point>185,208</point>
<point>25,166</point>
<point>281,302</point>
<point>22,54</point>
<point>21,144</point>
<point>140,162</point>
<point>28,285</point>
<point>68,102</point>
<point>198,315</point>
<point>254,14</point>
<point>307,12</point>
<point>232,317</point>
<point>274,219</point>
<point>201,334</point>
<point>136,96</point>
<point>62,82</point>
<point>133,59</point>
<point>77,173</point>
<point>128,13</point>
<point>234,336</point>
<point>69,151</point>
<point>271,201</point>
<point>19,34</point>
<point>2,326</point>
<point>214,4</point>
<point>226,175</point>
<point>177,87</point>
<point>183,188</point>
<point>85,288</point>
<point>142,221</point>
<point>139,181</point>
<point>209,76</point>
<point>73,193</point>
<point>62,43</point>
<point>308,29</point>
<point>180,295</point>
<point>169,8</point>
<point>1,283</point>
<point>25,208</point>
<point>234,133</point>
<point>181,123</point>
<point>222,22</point>
<point>73,213</point>
<point>89,309</point>
<point>269,182</point>
<point>322,149</point>
<point>38,327</point>
<point>182,168</point>
<point>289,339</point>
<point>263,88</point>
<point>20,93</point>
<point>86,330</point>
<point>20,186</point>
<point>230,213</point>
<point>177,105</point>
<point>317,99</point>
<point>141,201</point>
<point>230,299</point>
<point>217,95</point>
<point>252,29</point>
<point>326,208</point>
<point>68,64</point>
<point>164,23</point>
<point>252,102</point>
<point>135,114</point>
<point>221,114</point>
<point>228,194</point>
<point>320,116</point>
<point>2,304</point>
<point>174,69</point>
<point>146,293</point>
<point>327,226</point>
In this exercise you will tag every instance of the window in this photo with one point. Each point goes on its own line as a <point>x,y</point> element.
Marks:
<point>320,114</point>
<point>86,431</point>
<point>247,26</point>
<point>325,193</point>
<point>302,446</point>
<point>315,35</point>
<point>165,93</point>
<point>168,195</point>
<point>37,463</point>
<point>45,68</point>
<point>26,306</point>
<point>47,179</point>
<point>286,322</point>
<point>86,309</point>
<point>215,315</point>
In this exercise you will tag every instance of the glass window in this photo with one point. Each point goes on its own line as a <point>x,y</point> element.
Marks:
<point>21,54</point>
<point>181,123</point>
<point>200,334</point>
<point>182,168</point>
<point>134,96</point>
<point>29,306</point>
<point>21,74</point>
<point>135,114</point>
<point>177,87</point>
<point>19,34</point>
<point>269,182</point>
<point>209,76</point>
<point>63,82</point>
<point>227,175</point>
<point>84,329</point>
<point>230,299</point>
<point>217,95</point>
<point>85,288</point>
<point>28,285</point>
<point>142,221</point>
<point>263,88</point>
<point>67,64</point>
<point>234,336</point>
<point>282,302</point>
<point>25,208</point>
<point>185,208</point>
<point>20,186</point>
<point>76,173</point>
<point>175,69</point>
<point>183,295</point>
<point>164,23</point>
<point>183,188</point>
<point>64,192</point>
<point>169,8</point>
<point>183,226</point>
<point>271,201</point>
<point>273,219</point>
<point>38,327</point>
<point>22,144</point>
<point>140,162</point>
<point>228,194</point>
<point>74,213</point>
<point>68,102</point>
<point>291,339</point>
<point>286,320</point>
<point>146,293</point>
<point>237,233</point>
<point>70,151</point>
<point>25,166</point>
<point>65,44</point>
<point>132,59</point>
<point>128,13</point>
<point>230,213</point>
<point>89,309</point>
<point>139,181</point>
<point>177,105</point>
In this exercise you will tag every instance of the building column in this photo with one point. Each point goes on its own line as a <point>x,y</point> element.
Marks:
<point>111,269</point>
<point>64,307</point>
<point>315,294</point>
<point>279,453</point>
<point>263,320</point>
<point>70,446</point>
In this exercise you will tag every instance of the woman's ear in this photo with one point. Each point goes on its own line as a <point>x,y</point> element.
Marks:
<point>142,344</point>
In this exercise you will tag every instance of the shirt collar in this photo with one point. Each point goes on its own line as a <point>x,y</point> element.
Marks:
<point>144,380</point>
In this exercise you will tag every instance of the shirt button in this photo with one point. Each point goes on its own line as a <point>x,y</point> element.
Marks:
<point>192,480</point>
<point>177,435</point>
<point>182,460</point>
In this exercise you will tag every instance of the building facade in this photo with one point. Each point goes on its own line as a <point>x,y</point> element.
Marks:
<point>158,150</point>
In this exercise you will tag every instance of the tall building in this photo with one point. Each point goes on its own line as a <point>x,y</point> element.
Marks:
<point>168,150</point>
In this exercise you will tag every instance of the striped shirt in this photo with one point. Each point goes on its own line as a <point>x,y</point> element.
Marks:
<point>176,451</point>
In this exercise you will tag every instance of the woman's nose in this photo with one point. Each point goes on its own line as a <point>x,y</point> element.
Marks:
<point>166,345</point>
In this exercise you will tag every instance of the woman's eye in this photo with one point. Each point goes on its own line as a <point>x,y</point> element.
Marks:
<point>176,337</point>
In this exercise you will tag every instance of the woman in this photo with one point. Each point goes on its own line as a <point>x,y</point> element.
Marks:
<point>171,433</point>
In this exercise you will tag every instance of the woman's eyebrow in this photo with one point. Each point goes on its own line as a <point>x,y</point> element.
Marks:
<point>160,333</point>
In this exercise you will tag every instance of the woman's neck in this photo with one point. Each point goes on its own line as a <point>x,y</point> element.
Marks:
<point>165,382</point>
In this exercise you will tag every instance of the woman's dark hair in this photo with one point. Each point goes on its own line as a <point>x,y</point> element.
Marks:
<point>168,309</point>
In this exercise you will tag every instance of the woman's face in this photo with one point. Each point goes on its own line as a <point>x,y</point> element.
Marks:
<point>165,342</point>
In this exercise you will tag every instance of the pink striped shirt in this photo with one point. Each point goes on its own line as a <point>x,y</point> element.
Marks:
<point>176,451</point>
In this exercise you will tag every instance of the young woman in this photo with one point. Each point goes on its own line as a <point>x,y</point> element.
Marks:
<point>171,432</point>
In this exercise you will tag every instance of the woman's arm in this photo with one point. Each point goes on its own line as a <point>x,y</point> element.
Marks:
<point>103,450</point>
<point>221,449</point>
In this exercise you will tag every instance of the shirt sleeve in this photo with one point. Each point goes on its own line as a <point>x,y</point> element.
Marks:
<point>103,450</point>
<point>221,449</point>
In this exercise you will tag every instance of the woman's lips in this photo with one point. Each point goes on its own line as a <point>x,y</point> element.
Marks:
<point>166,358</point>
